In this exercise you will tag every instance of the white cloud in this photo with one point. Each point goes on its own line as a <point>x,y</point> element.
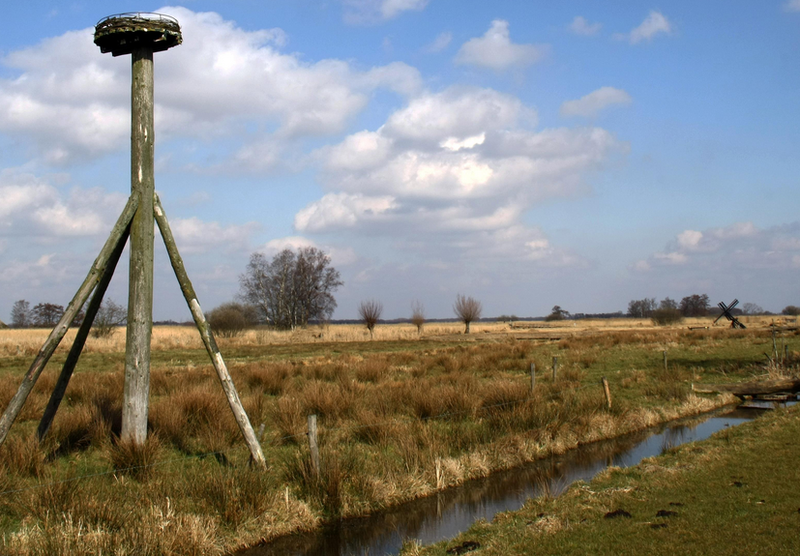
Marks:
<point>339,256</point>
<point>72,102</point>
<point>455,113</point>
<point>459,168</point>
<point>589,105</point>
<point>31,205</point>
<point>342,210</point>
<point>654,24</point>
<point>193,235</point>
<point>373,11</point>
<point>495,50</point>
<point>441,42</point>
<point>740,245</point>
<point>791,6</point>
<point>580,26</point>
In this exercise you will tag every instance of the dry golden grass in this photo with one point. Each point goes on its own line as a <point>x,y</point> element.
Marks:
<point>27,342</point>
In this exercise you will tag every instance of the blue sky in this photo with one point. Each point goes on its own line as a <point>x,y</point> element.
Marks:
<point>525,153</point>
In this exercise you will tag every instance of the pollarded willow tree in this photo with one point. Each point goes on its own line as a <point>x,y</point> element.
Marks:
<point>291,289</point>
<point>467,309</point>
<point>370,312</point>
<point>418,316</point>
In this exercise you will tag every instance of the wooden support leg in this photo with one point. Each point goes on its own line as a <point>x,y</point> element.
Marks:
<point>80,338</point>
<point>208,337</point>
<point>55,337</point>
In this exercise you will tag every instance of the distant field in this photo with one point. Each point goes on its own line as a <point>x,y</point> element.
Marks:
<point>28,341</point>
<point>400,417</point>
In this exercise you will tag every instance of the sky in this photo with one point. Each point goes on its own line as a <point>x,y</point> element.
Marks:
<point>527,154</point>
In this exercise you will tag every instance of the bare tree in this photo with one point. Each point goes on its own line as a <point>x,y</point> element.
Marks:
<point>291,289</point>
<point>467,309</point>
<point>642,308</point>
<point>21,314</point>
<point>370,311</point>
<point>752,309</point>
<point>109,316</point>
<point>557,313</point>
<point>46,315</point>
<point>418,316</point>
<point>694,305</point>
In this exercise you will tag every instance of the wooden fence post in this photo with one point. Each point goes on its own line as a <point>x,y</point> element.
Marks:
<point>607,391</point>
<point>533,376</point>
<point>555,367</point>
<point>665,360</point>
<point>313,444</point>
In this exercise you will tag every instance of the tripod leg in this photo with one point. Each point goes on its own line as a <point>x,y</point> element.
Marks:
<point>55,337</point>
<point>80,338</point>
<point>208,337</point>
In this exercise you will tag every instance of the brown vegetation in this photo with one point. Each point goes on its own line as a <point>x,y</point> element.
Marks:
<point>397,420</point>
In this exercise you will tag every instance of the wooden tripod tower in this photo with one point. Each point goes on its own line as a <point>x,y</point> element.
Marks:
<point>140,35</point>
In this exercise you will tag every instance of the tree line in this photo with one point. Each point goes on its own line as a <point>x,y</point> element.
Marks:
<point>47,315</point>
<point>296,288</point>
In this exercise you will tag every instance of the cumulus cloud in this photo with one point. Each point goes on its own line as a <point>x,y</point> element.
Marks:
<point>580,26</point>
<point>495,50</point>
<point>739,245</point>
<point>34,206</point>
<point>461,165</point>
<point>72,102</point>
<point>374,11</point>
<point>589,105</point>
<point>653,25</point>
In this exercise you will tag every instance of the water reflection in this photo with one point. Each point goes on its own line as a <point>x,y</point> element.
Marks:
<point>447,513</point>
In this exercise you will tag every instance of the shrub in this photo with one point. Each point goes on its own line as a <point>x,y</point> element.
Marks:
<point>231,319</point>
<point>664,317</point>
<point>108,317</point>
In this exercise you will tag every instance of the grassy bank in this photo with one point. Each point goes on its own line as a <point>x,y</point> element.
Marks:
<point>398,418</point>
<point>731,494</point>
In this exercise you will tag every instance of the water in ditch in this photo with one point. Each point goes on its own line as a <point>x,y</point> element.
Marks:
<point>444,515</point>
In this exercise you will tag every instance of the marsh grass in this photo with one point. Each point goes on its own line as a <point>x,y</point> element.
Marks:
<point>398,419</point>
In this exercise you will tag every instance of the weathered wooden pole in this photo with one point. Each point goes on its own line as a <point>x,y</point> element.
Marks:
<point>313,445</point>
<point>607,391</point>
<point>665,360</point>
<point>555,367</point>
<point>207,336</point>
<point>55,337</point>
<point>140,35</point>
<point>533,376</point>
<point>140,276</point>
<point>80,338</point>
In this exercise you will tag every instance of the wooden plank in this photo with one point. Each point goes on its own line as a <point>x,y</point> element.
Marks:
<point>55,337</point>
<point>208,337</point>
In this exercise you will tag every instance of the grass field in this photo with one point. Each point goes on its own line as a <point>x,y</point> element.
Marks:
<point>400,417</point>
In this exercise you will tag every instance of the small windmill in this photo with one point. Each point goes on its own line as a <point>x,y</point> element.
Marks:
<point>140,35</point>
<point>726,312</point>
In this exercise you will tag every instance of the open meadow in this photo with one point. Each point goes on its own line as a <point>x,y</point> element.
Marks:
<point>400,416</point>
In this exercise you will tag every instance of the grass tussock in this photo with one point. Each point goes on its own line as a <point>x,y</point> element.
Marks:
<point>133,459</point>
